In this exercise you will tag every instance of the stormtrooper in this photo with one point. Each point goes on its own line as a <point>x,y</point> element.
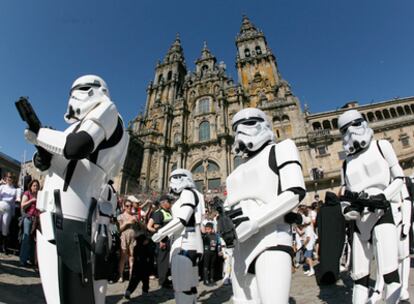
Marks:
<point>185,235</point>
<point>402,217</point>
<point>373,180</point>
<point>260,192</point>
<point>78,199</point>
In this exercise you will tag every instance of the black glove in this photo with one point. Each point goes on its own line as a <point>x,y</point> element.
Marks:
<point>378,201</point>
<point>42,159</point>
<point>236,216</point>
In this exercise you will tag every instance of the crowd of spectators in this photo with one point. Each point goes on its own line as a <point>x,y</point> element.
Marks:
<point>305,244</point>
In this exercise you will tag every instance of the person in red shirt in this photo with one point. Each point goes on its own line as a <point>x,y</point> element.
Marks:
<point>30,219</point>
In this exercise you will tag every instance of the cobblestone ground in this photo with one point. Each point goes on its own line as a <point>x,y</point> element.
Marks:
<point>22,285</point>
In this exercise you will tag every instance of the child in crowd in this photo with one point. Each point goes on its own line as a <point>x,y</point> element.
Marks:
<point>212,249</point>
<point>142,266</point>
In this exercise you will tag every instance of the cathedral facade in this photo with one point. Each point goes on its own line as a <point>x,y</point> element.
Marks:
<point>187,119</point>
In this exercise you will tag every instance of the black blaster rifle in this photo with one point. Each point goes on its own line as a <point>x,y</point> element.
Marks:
<point>28,115</point>
<point>361,200</point>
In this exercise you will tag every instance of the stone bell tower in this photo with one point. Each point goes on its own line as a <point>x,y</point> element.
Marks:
<point>263,85</point>
<point>154,128</point>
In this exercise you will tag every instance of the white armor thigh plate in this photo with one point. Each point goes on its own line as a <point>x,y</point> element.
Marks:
<point>275,234</point>
<point>367,172</point>
<point>253,179</point>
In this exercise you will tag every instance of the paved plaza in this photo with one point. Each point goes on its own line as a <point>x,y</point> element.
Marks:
<point>22,285</point>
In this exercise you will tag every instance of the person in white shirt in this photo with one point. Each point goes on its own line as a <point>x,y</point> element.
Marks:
<point>309,242</point>
<point>8,196</point>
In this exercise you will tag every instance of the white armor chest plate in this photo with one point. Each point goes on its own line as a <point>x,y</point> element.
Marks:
<point>249,186</point>
<point>367,171</point>
<point>187,238</point>
<point>253,180</point>
<point>88,179</point>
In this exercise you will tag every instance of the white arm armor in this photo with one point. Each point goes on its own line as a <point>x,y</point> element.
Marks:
<point>406,210</point>
<point>106,116</point>
<point>267,214</point>
<point>396,171</point>
<point>100,123</point>
<point>52,141</point>
<point>172,227</point>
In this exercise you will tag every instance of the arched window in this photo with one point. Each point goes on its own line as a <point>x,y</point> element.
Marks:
<point>412,108</point>
<point>285,118</point>
<point>335,123</point>
<point>258,50</point>
<point>407,109</point>
<point>327,125</point>
<point>393,113</point>
<point>204,131</point>
<point>400,111</point>
<point>276,119</point>
<point>317,125</point>
<point>378,115</point>
<point>386,113</point>
<point>204,69</point>
<point>169,76</point>
<point>246,52</point>
<point>198,168</point>
<point>371,116</point>
<point>364,116</point>
<point>212,167</point>
<point>204,105</point>
<point>159,78</point>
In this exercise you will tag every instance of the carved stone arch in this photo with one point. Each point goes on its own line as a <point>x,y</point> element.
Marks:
<point>378,115</point>
<point>386,113</point>
<point>285,118</point>
<point>371,116</point>
<point>400,111</point>
<point>326,125</point>
<point>317,125</point>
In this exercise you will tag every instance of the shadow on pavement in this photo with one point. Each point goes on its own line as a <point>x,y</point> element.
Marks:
<point>215,295</point>
<point>154,296</point>
<point>17,293</point>
<point>13,267</point>
<point>334,294</point>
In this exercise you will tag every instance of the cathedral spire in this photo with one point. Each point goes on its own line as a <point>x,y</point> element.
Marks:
<point>248,30</point>
<point>175,52</point>
<point>206,54</point>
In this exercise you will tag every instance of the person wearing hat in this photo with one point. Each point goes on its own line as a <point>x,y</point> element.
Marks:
<point>159,219</point>
<point>129,228</point>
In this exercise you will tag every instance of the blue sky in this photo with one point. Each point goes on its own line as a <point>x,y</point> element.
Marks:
<point>330,52</point>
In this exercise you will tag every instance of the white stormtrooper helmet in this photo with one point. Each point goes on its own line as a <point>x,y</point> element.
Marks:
<point>252,130</point>
<point>86,93</point>
<point>181,179</point>
<point>356,135</point>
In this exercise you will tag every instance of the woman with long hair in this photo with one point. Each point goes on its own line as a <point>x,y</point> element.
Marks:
<point>129,227</point>
<point>30,220</point>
